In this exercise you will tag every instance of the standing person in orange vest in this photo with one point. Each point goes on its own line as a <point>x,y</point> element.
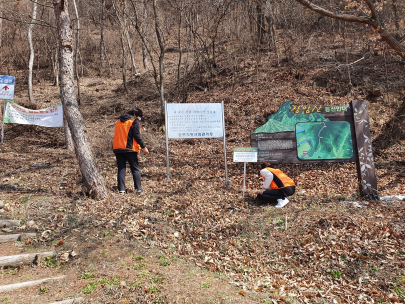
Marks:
<point>127,144</point>
<point>276,186</point>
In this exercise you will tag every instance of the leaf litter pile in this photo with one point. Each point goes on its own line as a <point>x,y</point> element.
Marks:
<point>327,244</point>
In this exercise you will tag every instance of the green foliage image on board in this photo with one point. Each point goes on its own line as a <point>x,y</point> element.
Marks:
<point>284,120</point>
<point>324,140</point>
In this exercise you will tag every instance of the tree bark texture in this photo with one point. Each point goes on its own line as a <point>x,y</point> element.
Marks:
<point>68,136</point>
<point>94,182</point>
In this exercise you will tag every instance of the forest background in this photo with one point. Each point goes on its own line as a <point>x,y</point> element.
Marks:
<point>190,240</point>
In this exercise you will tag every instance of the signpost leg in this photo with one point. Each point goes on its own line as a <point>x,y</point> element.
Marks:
<point>365,162</point>
<point>244,179</point>
<point>223,128</point>
<point>167,141</point>
<point>2,126</point>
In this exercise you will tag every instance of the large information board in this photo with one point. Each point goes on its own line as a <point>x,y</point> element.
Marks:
<point>194,120</point>
<point>319,133</point>
<point>297,134</point>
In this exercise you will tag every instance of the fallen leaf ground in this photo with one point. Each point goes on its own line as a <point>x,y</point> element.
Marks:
<point>189,239</point>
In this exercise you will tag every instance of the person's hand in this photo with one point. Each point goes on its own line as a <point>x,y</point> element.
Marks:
<point>261,191</point>
<point>145,150</point>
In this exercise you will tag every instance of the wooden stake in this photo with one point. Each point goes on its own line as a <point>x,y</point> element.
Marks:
<point>285,222</point>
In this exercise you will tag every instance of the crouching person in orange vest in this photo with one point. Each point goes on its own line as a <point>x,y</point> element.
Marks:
<point>127,144</point>
<point>276,186</point>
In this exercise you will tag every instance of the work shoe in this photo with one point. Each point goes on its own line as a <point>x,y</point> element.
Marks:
<point>282,202</point>
<point>122,192</point>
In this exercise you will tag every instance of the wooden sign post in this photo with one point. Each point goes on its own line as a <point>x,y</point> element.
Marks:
<point>365,161</point>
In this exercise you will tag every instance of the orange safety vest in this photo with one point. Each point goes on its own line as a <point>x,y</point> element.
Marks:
<point>122,139</point>
<point>280,179</point>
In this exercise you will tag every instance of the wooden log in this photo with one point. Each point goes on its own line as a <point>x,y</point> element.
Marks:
<point>20,259</point>
<point>9,223</point>
<point>10,287</point>
<point>7,238</point>
<point>70,301</point>
<point>27,235</point>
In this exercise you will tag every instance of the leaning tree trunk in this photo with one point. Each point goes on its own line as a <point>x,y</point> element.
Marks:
<point>31,60</point>
<point>94,182</point>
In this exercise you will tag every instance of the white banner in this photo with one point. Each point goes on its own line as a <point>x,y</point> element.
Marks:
<point>194,120</point>
<point>48,117</point>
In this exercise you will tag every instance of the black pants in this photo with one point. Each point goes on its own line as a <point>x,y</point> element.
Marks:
<point>275,194</point>
<point>132,159</point>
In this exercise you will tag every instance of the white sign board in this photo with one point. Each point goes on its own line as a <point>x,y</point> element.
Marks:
<point>245,155</point>
<point>6,87</point>
<point>49,117</point>
<point>194,120</point>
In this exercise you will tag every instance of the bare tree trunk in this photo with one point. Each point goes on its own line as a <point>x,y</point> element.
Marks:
<point>55,68</point>
<point>123,23</point>
<point>77,50</point>
<point>260,24</point>
<point>161,65</point>
<point>144,53</point>
<point>347,60</point>
<point>124,63</point>
<point>396,17</point>
<point>158,74</point>
<point>102,36</point>
<point>273,33</point>
<point>92,178</point>
<point>31,60</point>
<point>180,55</point>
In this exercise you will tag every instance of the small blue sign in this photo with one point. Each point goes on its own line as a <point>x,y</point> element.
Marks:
<point>6,87</point>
